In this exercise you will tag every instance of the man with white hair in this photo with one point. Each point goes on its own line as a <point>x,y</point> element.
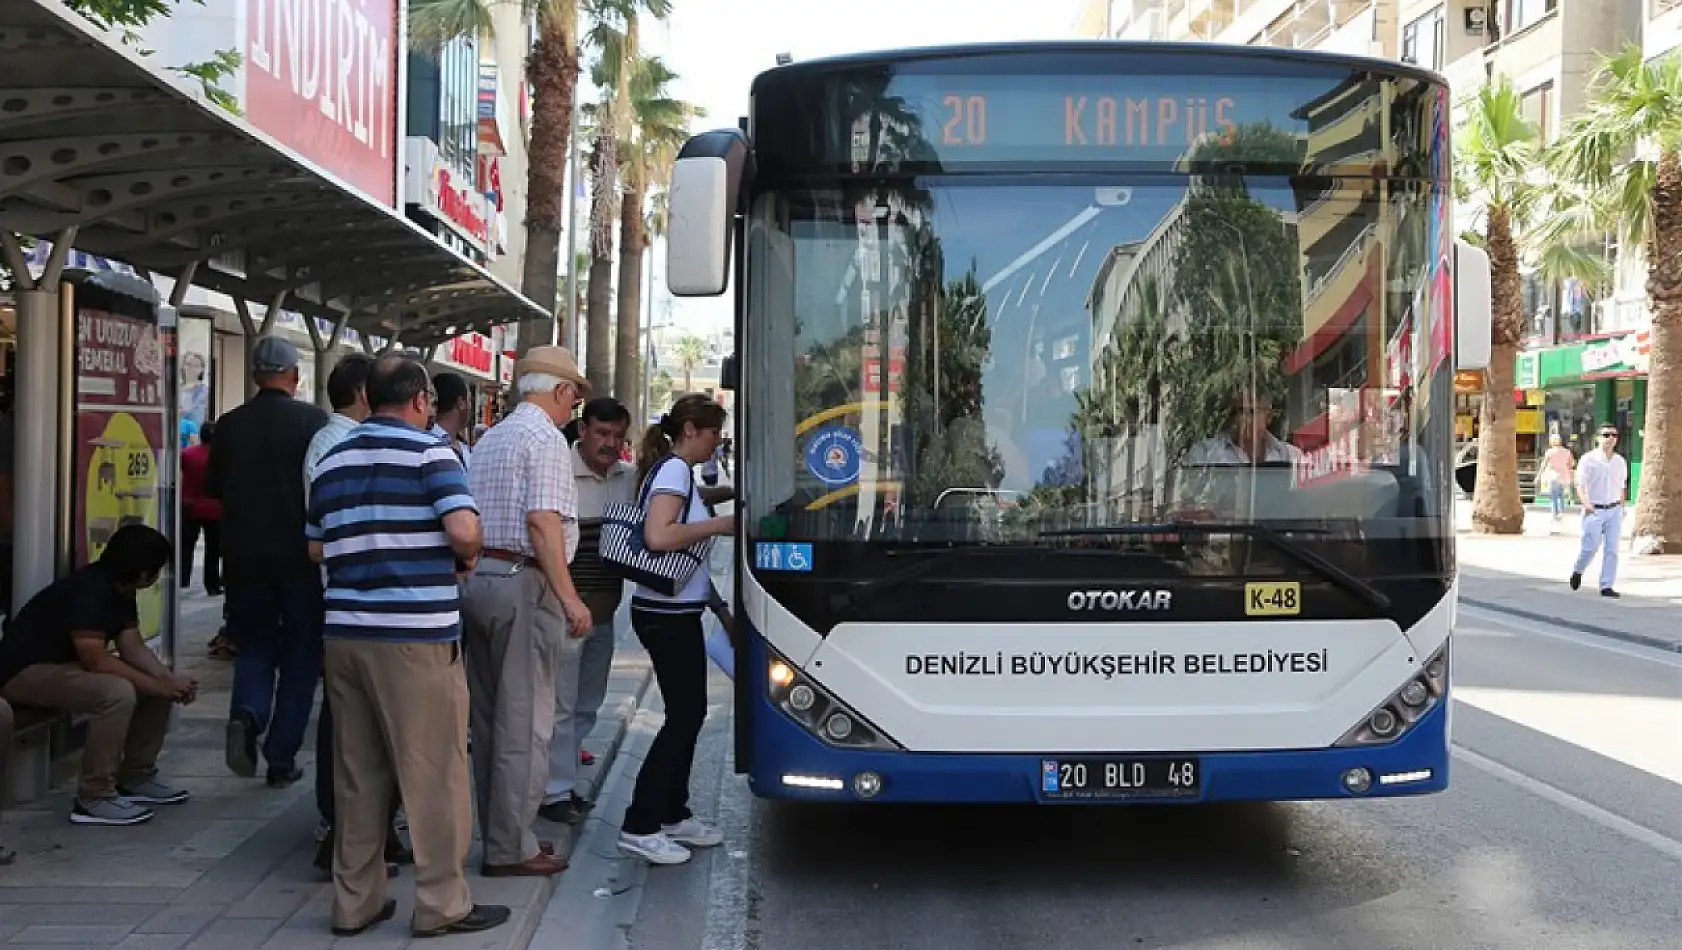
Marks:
<point>523,619</point>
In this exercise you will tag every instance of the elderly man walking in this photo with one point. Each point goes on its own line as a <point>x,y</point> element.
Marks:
<point>393,655</point>
<point>274,592</point>
<point>524,621</point>
<point>603,478</point>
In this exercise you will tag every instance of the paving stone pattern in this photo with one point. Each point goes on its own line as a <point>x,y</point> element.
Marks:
<point>231,869</point>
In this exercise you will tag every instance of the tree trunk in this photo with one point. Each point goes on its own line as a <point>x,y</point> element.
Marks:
<point>1658,511</point>
<point>598,325</point>
<point>553,73</point>
<point>627,363</point>
<point>1496,505</point>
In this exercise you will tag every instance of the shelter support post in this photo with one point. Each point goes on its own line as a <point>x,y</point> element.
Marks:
<point>326,356</point>
<point>36,414</point>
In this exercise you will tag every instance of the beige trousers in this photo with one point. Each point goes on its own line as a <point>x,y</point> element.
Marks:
<point>515,633</point>
<point>125,732</point>
<point>399,725</point>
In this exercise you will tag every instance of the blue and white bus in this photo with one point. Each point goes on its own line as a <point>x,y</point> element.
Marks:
<point>1096,409</point>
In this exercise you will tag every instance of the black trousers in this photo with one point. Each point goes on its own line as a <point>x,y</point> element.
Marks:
<point>190,529</point>
<point>676,646</point>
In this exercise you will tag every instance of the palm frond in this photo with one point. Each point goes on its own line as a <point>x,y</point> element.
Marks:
<point>435,23</point>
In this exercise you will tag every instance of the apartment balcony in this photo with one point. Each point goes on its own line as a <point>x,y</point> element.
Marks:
<point>1197,19</point>
<point>1663,30</point>
<point>1307,24</point>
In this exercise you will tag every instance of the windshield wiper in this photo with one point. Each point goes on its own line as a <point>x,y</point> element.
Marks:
<point>1295,550</point>
<point>932,558</point>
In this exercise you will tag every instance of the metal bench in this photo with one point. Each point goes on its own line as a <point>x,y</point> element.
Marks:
<point>39,738</point>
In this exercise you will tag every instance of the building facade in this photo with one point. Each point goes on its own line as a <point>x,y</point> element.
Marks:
<point>1584,356</point>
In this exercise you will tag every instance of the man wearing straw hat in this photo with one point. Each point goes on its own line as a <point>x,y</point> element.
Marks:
<point>523,619</point>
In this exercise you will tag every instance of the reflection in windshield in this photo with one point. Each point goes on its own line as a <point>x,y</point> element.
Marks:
<point>943,358</point>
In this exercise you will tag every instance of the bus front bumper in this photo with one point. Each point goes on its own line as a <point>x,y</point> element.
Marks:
<point>790,763</point>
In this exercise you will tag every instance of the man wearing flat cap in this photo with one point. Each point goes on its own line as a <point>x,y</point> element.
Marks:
<point>523,620</point>
<point>273,588</point>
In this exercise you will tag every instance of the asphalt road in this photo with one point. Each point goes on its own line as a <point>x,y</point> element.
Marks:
<point>1562,830</point>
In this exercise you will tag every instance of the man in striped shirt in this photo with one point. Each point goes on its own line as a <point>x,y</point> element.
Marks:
<point>391,517</point>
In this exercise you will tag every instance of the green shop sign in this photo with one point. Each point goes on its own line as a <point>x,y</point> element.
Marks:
<point>1626,353</point>
<point>1527,371</point>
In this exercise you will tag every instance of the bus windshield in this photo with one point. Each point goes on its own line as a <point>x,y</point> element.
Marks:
<point>1000,358</point>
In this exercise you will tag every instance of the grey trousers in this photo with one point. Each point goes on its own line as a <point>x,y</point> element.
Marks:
<point>515,636</point>
<point>576,712</point>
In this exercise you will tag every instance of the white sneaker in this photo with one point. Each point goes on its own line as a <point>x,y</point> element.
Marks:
<point>655,849</point>
<point>695,833</point>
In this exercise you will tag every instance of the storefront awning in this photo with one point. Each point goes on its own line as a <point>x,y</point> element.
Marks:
<point>145,171</point>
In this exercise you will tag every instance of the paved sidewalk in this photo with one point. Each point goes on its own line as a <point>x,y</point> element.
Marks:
<point>1525,575</point>
<point>231,869</point>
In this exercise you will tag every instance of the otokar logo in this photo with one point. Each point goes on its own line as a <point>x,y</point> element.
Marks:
<point>1116,600</point>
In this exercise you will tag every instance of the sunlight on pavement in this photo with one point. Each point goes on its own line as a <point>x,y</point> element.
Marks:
<point>1639,731</point>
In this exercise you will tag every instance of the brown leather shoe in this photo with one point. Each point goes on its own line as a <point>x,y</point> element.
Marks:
<point>540,865</point>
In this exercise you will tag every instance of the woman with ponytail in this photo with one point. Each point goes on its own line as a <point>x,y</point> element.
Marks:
<point>658,825</point>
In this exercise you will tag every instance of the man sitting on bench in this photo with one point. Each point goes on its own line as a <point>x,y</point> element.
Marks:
<point>55,655</point>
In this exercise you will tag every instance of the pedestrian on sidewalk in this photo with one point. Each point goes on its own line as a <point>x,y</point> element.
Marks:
<point>602,479</point>
<point>393,655</point>
<point>658,825</point>
<point>200,515</point>
<point>524,621</point>
<point>273,589</point>
<point>454,415</point>
<point>56,655</point>
<point>1602,484</point>
<point>347,390</point>
<point>1558,465</point>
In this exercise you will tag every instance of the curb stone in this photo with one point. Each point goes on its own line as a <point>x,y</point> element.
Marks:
<point>1639,639</point>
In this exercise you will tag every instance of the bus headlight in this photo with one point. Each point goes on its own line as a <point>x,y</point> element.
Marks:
<point>1423,692</point>
<point>822,715</point>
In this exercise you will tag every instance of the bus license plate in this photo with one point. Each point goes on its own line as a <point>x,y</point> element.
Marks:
<point>1092,778</point>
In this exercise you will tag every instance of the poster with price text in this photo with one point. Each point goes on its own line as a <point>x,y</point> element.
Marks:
<point>120,393</point>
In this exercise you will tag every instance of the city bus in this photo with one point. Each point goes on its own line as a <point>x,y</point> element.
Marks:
<point>1095,418</point>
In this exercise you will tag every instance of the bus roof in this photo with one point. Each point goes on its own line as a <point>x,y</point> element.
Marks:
<point>1278,54</point>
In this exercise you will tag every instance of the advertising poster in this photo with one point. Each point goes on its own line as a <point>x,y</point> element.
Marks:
<point>195,337</point>
<point>120,415</point>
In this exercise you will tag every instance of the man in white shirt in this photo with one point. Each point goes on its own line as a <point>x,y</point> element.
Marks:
<point>603,478</point>
<point>347,390</point>
<point>1602,482</point>
<point>1247,441</point>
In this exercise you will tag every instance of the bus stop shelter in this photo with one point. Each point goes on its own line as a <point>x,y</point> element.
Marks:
<point>104,152</point>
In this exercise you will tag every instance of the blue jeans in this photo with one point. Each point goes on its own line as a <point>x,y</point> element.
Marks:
<point>277,629</point>
<point>1556,494</point>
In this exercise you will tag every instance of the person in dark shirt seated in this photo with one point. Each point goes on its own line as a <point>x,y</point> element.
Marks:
<point>55,655</point>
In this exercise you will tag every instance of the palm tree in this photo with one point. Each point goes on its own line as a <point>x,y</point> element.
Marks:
<point>1495,153</point>
<point>659,127</point>
<point>616,32</point>
<point>552,70</point>
<point>1639,103</point>
<point>690,351</point>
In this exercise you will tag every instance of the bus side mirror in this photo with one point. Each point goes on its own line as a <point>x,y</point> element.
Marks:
<point>700,212</point>
<point>727,374</point>
<point>1474,309</point>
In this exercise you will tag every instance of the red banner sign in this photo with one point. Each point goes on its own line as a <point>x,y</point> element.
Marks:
<point>321,78</point>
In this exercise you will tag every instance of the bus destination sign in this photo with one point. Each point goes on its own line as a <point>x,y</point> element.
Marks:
<point>1160,120</point>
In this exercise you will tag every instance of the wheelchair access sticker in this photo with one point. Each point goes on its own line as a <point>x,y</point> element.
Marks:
<point>782,556</point>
